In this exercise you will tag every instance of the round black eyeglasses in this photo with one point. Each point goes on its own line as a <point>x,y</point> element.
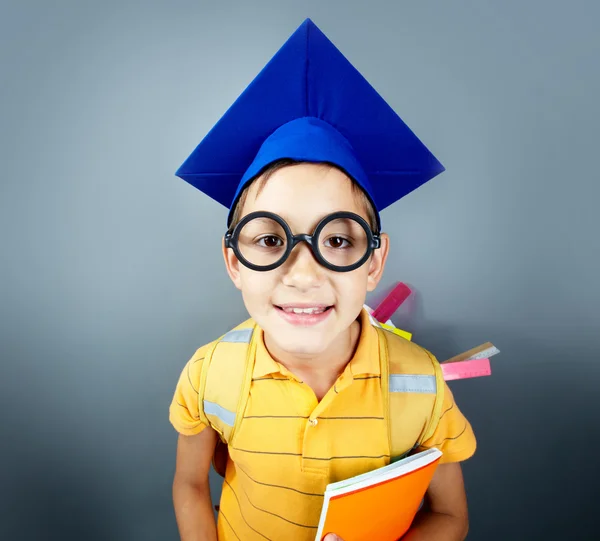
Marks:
<point>342,241</point>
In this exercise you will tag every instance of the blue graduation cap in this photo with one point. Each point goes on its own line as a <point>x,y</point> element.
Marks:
<point>310,104</point>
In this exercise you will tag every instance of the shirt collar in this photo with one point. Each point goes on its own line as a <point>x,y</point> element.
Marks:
<point>364,362</point>
<point>264,364</point>
<point>366,357</point>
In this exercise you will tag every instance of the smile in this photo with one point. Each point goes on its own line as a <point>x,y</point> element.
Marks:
<point>304,314</point>
<point>313,310</point>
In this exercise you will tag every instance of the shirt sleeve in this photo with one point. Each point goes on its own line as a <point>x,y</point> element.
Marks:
<point>454,435</point>
<point>184,412</point>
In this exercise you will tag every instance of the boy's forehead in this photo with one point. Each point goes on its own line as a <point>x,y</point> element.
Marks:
<point>306,184</point>
<point>304,193</point>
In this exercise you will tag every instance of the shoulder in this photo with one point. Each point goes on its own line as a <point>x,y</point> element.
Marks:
<point>237,334</point>
<point>406,357</point>
<point>201,352</point>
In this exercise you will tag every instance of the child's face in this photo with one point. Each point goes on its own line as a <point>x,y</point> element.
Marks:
<point>302,195</point>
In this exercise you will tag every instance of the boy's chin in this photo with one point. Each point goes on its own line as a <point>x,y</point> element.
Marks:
<point>301,348</point>
<point>302,341</point>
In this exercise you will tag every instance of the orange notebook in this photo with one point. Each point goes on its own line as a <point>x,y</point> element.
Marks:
<point>380,504</point>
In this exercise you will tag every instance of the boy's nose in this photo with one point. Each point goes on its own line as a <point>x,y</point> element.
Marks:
<point>302,270</point>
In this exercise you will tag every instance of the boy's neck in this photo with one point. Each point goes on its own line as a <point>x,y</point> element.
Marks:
<point>321,371</point>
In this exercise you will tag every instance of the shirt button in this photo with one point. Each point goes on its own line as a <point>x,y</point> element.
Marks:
<point>314,422</point>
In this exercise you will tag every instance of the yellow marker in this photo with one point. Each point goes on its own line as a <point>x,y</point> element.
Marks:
<point>404,334</point>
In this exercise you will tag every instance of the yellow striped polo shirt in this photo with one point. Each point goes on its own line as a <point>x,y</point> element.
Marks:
<point>289,445</point>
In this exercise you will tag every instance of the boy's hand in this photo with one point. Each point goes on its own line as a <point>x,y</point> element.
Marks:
<point>332,537</point>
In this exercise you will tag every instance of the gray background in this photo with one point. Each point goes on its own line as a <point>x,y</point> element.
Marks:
<point>112,275</point>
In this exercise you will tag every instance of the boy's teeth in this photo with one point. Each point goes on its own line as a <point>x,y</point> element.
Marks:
<point>304,310</point>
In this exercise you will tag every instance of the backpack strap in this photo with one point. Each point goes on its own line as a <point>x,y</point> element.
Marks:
<point>411,380</point>
<point>438,403</point>
<point>225,385</point>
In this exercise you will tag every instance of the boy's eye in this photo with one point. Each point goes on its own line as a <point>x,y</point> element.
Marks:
<point>337,242</point>
<point>270,241</point>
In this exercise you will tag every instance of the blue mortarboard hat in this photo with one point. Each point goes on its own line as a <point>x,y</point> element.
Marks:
<point>310,104</point>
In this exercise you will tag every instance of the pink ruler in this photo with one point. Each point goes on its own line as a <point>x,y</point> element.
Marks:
<point>466,369</point>
<point>392,302</point>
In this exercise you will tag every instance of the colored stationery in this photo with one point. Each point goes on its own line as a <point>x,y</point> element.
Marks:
<point>395,330</point>
<point>392,302</point>
<point>484,351</point>
<point>474,368</point>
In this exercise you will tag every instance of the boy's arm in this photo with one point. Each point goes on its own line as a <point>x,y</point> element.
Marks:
<point>444,516</point>
<point>191,490</point>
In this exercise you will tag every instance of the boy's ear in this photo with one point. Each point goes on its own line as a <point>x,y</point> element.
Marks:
<point>377,263</point>
<point>232,264</point>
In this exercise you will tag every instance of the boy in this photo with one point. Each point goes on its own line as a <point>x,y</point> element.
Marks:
<point>305,159</point>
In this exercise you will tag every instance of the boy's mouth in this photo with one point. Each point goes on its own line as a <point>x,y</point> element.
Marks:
<point>304,314</point>
<point>303,309</point>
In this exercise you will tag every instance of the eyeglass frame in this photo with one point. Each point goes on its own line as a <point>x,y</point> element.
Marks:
<point>232,237</point>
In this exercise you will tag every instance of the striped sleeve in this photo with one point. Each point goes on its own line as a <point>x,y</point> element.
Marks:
<point>184,413</point>
<point>454,435</point>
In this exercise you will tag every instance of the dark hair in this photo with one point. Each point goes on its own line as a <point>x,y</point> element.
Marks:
<point>275,166</point>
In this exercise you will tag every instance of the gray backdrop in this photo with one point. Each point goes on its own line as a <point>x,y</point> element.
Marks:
<point>112,272</point>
